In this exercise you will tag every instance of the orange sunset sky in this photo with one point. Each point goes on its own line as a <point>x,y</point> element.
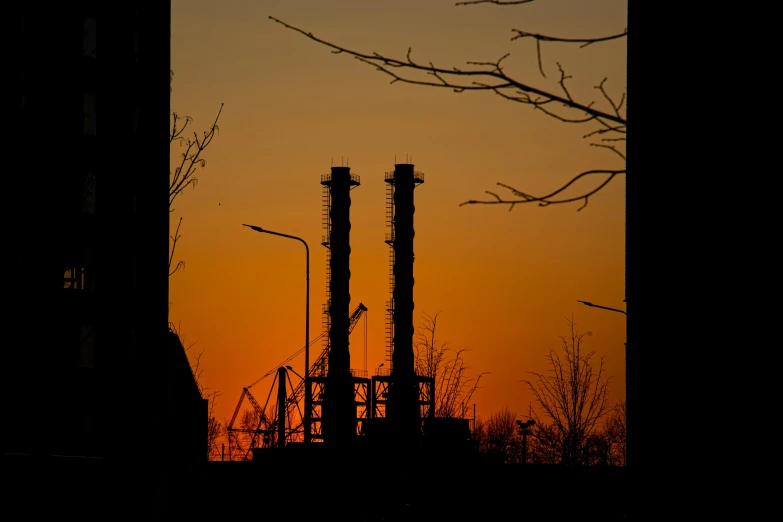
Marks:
<point>504,281</point>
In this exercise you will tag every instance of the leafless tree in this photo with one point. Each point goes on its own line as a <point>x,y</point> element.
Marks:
<point>573,396</point>
<point>499,437</point>
<point>184,174</point>
<point>243,438</point>
<point>250,423</point>
<point>454,387</point>
<point>544,444</point>
<point>234,449</point>
<point>603,116</point>
<point>215,431</point>
<point>256,429</point>
<point>616,435</point>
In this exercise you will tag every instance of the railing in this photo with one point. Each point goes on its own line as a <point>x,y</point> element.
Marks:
<point>417,176</point>
<point>325,178</point>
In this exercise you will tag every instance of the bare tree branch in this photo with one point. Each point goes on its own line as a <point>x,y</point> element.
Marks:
<point>453,387</point>
<point>616,434</point>
<point>491,76</point>
<point>184,175</point>
<point>610,147</point>
<point>174,239</point>
<point>584,41</point>
<point>542,37</point>
<point>496,2</point>
<point>443,77</point>
<point>548,199</point>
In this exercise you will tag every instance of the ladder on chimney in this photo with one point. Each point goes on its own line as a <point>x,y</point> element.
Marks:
<point>326,222</point>
<point>389,178</point>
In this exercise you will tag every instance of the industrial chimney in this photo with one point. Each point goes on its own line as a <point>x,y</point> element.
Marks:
<point>339,410</point>
<point>402,408</point>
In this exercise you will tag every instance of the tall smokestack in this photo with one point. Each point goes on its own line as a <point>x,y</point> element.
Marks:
<point>339,411</point>
<point>403,404</point>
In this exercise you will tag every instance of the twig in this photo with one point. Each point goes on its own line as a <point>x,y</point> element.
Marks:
<point>174,239</point>
<point>547,200</point>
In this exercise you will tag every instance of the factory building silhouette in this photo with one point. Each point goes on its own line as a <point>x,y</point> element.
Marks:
<point>343,407</point>
<point>381,428</point>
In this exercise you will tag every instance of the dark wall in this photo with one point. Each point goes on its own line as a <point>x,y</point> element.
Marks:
<point>84,358</point>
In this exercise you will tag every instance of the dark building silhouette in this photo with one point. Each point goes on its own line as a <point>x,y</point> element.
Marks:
<point>92,368</point>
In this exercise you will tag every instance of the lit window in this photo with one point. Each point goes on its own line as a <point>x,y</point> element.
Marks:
<point>73,278</point>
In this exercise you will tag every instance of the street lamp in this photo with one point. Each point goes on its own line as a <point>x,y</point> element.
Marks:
<point>588,303</point>
<point>524,430</point>
<point>307,324</point>
<point>625,344</point>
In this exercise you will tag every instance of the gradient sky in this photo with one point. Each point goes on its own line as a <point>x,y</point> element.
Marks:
<point>505,282</point>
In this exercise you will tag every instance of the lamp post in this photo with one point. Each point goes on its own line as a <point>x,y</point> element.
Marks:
<point>588,303</point>
<point>524,430</point>
<point>307,325</point>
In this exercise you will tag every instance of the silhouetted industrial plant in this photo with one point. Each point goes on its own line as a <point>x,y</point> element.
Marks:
<point>105,414</point>
<point>343,408</point>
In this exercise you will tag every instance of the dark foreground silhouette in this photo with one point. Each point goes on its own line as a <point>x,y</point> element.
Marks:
<point>307,485</point>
